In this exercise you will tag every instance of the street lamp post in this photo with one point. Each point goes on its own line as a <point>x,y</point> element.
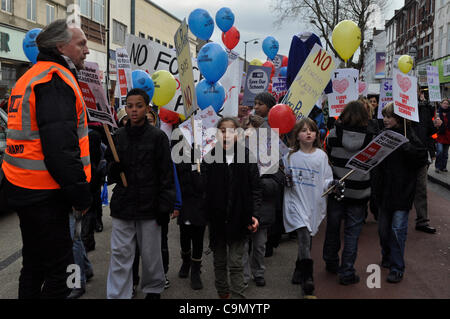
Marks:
<point>245,51</point>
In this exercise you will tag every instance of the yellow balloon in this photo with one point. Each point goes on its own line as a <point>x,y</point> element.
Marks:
<point>165,87</point>
<point>257,62</point>
<point>405,63</point>
<point>346,38</point>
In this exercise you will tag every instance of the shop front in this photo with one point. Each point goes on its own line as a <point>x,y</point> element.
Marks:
<point>443,66</point>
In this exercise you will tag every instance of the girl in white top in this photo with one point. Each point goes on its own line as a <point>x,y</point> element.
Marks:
<point>307,168</point>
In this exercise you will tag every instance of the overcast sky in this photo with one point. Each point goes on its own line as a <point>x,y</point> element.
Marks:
<point>253,19</point>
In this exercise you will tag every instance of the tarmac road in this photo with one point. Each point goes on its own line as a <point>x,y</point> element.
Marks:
<point>427,263</point>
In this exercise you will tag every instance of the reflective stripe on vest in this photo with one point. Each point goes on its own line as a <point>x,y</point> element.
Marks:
<point>24,164</point>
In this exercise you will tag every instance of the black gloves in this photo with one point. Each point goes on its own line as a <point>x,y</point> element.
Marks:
<point>163,218</point>
<point>339,188</point>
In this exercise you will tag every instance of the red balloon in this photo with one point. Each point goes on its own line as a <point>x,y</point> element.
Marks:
<point>282,117</point>
<point>285,61</point>
<point>168,116</point>
<point>270,65</point>
<point>231,38</point>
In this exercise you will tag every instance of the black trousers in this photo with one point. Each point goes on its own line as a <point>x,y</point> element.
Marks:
<point>192,234</point>
<point>46,252</point>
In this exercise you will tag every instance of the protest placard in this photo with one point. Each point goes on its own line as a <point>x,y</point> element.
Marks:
<point>345,89</point>
<point>363,88</point>
<point>123,66</point>
<point>279,87</point>
<point>185,69</point>
<point>404,91</point>
<point>385,95</point>
<point>98,108</point>
<point>434,90</point>
<point>380,147</point>
<point>204,137</point>
<point>231,82</point>
<point>257,81</point>
<point>159,57</point>
<point>310,82</point>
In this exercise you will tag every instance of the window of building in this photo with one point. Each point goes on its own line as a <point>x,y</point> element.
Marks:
<point>164,44</point>
<point>440,41</point>
<point>6,5</point>
<point>50,13</point>
<point>31,10</point>
<point>150,38</point>
<point>85,7</point>
<point>448,38</point>
<point>141,35</point>
<point>158,41</point>
<point>98,9</point>
<point>119,32</point>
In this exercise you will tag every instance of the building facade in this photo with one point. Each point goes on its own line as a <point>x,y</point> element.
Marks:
<point>391,28</point>
<point>375,52</point>
<point>442,44</point>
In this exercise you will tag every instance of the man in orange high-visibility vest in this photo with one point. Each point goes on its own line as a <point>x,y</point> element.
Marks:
<point>46,163</point>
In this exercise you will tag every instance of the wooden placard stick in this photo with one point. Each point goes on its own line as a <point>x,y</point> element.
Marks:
<point>340,181</point>
<point>114,151</point>
<point>195,145</point>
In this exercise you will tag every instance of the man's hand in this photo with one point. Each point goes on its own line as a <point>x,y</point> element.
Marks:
<point>437,122</point>
<point>175,214</point>
<point>254,226</point>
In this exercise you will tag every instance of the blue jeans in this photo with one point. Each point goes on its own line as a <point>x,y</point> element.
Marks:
<point>392,229</point>
<point>441,155</point>
<point>79,254</point>
<point>353,215</point>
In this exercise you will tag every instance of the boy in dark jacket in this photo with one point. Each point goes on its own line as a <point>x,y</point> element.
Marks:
<point>395,187</point>
<point>139,209</point>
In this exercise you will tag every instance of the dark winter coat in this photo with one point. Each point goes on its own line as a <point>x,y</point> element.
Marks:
<point>144,155</point>
<point>233,198</point>
<point>56,117</point>
<point>425,128</point>
<point>444,129</point>
<point>193,194</point>
<point>395,177</point>
<point>271,185</point>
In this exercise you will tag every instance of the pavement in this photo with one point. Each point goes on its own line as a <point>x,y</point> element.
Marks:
<point>427,259</point>
<point>441,178</point>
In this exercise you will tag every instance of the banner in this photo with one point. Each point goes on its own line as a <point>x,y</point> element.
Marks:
<point>125,82</point>
<point>205,137</point>
<point>94,96</point>
<point>434,90</point>
<point>277,62</point>
<point>380,65</point>
<point>257,81</point>
<point>184,59</point>
<point>372,155</point>
<point>310,81</point>
<point>231,82</point>
<point>279,87</point>
<point>385,96</point>
<point>345,89</point>
<point>404,91</point>
<point>159,57</point>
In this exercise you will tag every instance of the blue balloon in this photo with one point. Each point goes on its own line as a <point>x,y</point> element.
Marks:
<point>29,45</point>
<point>270,47</point>
<point>201,24</point>
<point>224,19</point>
<point>210,94</point>
<point>142,80</point>
<point>283,71</point>
<point>212,61</point>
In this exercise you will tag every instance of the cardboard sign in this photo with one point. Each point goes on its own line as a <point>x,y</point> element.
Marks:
<point>383,145</point>
<point>310,81</point>
<point>123,66</point>
<point>363,88</point>
<point>204,136</point>
<point>404,90</point>
<point>279,87</point>
<point>434,89</point>
<point>185,62</point>
<point>345,89</point>
<point>385,95</point>
<point>98,108</point>
<point>231,82</point>
<point>159,57</point>
<point>257,81</point>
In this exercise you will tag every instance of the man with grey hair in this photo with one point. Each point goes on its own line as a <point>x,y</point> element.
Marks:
<point>47,164</point>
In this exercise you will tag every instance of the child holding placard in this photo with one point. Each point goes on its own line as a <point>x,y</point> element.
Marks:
<point>394,187</point>
<point>304,208</point>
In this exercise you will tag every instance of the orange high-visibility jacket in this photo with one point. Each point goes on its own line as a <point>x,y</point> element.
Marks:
<point>23,162</point>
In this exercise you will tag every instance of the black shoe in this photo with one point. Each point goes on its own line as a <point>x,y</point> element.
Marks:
<point>332,268</point>
<point>76,293</point>
<point>426,229</point>
<point>153,296</point>
<point>349,280</point>
<point>260,282</point>
<point>98,225</point>
<point>269,251</point>
<point>196,281</point>
<point>394,277</point>
<point>186,265</point>
<point>444,170</point>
